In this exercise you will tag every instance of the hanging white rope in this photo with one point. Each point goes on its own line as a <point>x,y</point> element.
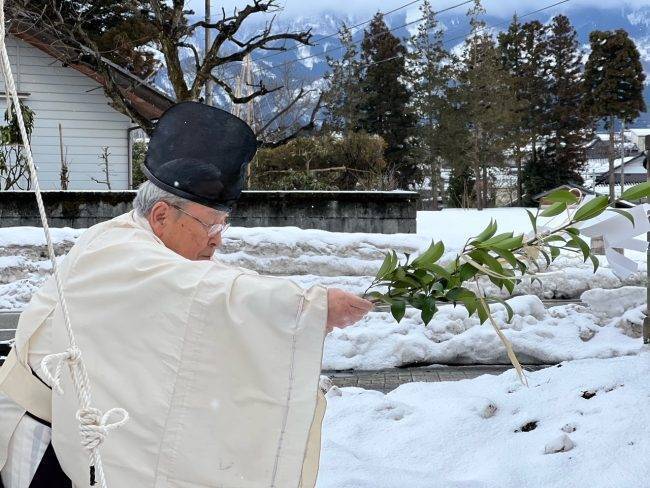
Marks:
<point>93,424</point>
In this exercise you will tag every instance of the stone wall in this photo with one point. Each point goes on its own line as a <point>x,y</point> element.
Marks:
<point>380,212</point>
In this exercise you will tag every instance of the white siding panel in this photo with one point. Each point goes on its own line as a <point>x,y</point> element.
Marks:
<point>63,95</point>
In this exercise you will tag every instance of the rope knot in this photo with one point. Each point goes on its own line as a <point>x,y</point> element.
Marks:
<point>95,426</point>
<point>72,356</point>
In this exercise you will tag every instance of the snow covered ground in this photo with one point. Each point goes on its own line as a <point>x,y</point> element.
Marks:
<point>581,424</point>
<point>608,324</point>
<point>350,260</point>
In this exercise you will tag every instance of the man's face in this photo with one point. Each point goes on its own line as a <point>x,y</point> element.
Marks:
<point>185,231</point>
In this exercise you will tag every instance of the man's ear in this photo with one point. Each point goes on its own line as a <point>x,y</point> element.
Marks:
<point>159,217</point>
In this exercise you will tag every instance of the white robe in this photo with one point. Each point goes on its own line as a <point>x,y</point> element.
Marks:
<point>218,366</point>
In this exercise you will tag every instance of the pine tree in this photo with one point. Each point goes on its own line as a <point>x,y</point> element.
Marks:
<point>613,84</point>
<point>461,189</point>
<point>385,105</point>
<point>569,127</point>
<point>523,54</point>
<point>344,95</point>
<point>484,95</point>
<point>430,77</point>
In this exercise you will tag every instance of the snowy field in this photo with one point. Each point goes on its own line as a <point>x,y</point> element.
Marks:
<point>585,424</point>
<point>350,260</point>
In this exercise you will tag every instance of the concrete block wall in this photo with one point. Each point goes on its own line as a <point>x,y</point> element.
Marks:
<point>376,212</point>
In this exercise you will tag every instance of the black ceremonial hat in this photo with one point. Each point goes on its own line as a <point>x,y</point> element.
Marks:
<point>200,153</point>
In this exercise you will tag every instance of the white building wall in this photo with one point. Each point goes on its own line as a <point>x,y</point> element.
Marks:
<point>63,95</point>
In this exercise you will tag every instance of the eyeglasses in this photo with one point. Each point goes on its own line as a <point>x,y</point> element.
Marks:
<point>212,229</point>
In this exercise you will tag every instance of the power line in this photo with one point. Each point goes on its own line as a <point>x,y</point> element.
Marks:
<point>338,48</point>
<point>329,36</point>
<point>527,14</point>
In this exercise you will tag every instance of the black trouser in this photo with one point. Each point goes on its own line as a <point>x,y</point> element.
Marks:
<point>49,473</point>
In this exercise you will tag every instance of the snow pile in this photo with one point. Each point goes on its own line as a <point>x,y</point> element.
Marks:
<point>584,424</point>
<point>345,260</point>
<point>538,335</point>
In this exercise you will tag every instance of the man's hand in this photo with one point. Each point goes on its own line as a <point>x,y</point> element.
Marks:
<point>345,308</point>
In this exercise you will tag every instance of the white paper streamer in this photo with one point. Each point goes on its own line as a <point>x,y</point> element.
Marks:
<point>618,232</point>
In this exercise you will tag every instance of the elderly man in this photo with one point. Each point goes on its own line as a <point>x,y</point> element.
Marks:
<point>217,365</point>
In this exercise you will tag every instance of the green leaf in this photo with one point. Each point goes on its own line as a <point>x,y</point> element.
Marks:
<point>624,213</point>
<point>482,310</point>
<point>594,261</point>
<point>591,209</point>
<point>459,294</point>
<point>512,243</point>
<point>437,270</point>
<point>583,246</point>
<point>642,190</point>
<point>398,309</point>
<point>555,252</point>
<point>573,231</point>
<point>509,285</point>
<point>485,258</point>
<point>488,232</point>
<point>497,238</point>
<point>428,310</point>
<point>386,267</point>
<point>466,272</point>
<point>471,304</point>
<point>562,195</point>
<point>533,220</point>
<point>507,255</point>
<point>431,255</point>
<point>555,209</point>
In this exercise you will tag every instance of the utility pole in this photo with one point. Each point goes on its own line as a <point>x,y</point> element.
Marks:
<point>208,82</point>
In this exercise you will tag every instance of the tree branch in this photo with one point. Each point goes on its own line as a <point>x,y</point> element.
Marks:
<point>305,128</point>
<point>245,99</point>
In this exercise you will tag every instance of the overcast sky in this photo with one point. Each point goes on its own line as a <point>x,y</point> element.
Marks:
<point>501,8</point>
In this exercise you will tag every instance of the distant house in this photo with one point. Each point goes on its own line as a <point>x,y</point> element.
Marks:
<point>72,96</point>
<point>634,168</point>
<point>640,137</point>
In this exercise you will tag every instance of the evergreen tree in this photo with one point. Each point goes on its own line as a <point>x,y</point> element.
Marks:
<point>613,84</point>
<point>344,95</point>
<point>569,127</point>
<point>430,76</point>
<point>461,189</point>
<point>483,92</point>
<point>385,104</point>
<point>523,54</point>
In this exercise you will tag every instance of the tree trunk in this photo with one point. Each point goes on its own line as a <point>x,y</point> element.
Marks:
<point>477,171</point>
<point>612,184</point>
<point>520,190</point>
<point>622,156</point>
<point>435,178</point>
<point>485,187</point>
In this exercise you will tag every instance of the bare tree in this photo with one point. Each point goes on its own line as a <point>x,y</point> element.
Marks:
<point>14,168</point>
<point>105,168</point>
<point>170,30</point>
<point>288,111</point>
<point>64,171</point>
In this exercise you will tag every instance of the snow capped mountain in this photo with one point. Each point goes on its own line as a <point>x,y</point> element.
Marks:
<point>308,63</point>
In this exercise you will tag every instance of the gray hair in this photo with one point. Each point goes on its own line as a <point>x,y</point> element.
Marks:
<point>149,194</point>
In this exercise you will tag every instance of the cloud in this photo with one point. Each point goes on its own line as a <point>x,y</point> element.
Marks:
<point>498,8</point>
